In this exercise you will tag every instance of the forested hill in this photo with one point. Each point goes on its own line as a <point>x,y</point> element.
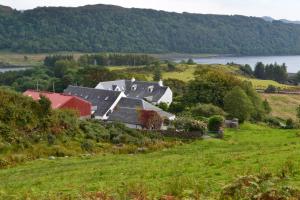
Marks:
<point>112,28</point>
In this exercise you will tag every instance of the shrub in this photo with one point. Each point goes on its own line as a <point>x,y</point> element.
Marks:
<point>215,123</point>
<point>187,125</point>
<point>238,105</point>
<point>150,119</point>
<point>164,106</point>
<point>206,110</point>
<point>267,106</point>
<point>87,146</point>
<point>272,121</point>
<point>263,186</point>
<point>51,139</point>
<point>176,107</point>
<point>289,124</point>
<point>271,89</point>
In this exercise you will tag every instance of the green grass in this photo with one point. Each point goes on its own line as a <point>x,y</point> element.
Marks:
<point>186,73</point>
<point>209,164</point>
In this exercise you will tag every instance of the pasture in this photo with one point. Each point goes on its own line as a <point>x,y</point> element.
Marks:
<point>201,167</point>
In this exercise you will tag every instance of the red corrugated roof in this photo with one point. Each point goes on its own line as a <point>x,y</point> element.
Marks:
<point>57,100</point>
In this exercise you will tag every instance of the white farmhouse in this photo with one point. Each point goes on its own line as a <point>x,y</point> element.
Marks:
<point>153,92</point>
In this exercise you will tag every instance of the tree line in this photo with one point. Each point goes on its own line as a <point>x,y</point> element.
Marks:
<point>102,28</point>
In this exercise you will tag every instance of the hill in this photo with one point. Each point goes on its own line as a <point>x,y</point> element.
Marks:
<point>111,28</point>
<point>200,168</point>
<point>5,9</point>
<point>284,106</point>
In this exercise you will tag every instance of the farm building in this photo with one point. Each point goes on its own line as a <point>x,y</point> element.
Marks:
<point>62,101</point>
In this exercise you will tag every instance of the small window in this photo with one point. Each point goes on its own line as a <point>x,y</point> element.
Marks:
<point>150,89</point>
<point>106,98</point>
<point>86,97</point>
<point>133,88</point>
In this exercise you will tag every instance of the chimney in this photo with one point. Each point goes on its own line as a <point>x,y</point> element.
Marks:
<point>132,79</point>
<point>160,83</point>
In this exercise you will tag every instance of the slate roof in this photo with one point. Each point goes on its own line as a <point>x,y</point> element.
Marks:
<point>142,89</point>
<point>103,99</point>
<point>126,110</point>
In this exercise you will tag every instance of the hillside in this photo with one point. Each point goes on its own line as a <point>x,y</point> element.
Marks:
<point>284,106</point>
<point>111,28</point>
<point>202,168</point>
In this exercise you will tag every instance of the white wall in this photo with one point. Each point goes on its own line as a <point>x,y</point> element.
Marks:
<point>167,97</point>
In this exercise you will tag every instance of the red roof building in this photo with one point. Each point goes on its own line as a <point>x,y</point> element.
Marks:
<point>62,101</point>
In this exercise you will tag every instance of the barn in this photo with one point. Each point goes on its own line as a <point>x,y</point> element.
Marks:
<point>62,101</point>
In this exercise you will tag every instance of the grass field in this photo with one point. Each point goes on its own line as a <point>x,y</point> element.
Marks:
<point>283,105</point>
<point>204,166</point>
<point>186,73</point>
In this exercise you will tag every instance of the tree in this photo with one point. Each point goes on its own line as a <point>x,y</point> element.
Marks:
<point>190,61</point>
<point>171,67</point>
<point>178,87</point>
<point>297,77</point>
<point>298,112</point>
<point>164,106</point>
<point>259,71</point>
<point>238,105</point>
<point>157,76</point>
<point>45,105</point>
<point>246,70</point>
<point>150,120</point>
<point>206,110</point>
<point>271,89</point>
<point>267,106</point>
<point>210,86</point>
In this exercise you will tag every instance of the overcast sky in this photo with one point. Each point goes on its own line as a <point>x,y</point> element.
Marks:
<point>278,9</point>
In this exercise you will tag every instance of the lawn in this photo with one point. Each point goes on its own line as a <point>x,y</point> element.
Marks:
<point>203,165</point>
<point>283,105</point>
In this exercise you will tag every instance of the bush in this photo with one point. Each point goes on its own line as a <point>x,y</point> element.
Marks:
<point>215,123</point>
<point>187,125</point>
<point>51,139</point>
<point>272,121</point>
<point>262,186</point>
<point>271,89</point>
<point>164,106</point>
<point>238,105</point>
<point>206,110</point>
<point>87,146</point>
<point>289,124</point>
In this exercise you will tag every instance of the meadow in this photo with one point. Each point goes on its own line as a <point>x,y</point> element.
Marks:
<point>201,167</point>
<point>284,106</point>
<point>186,73</point>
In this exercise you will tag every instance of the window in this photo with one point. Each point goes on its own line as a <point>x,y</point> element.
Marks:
<point>133,88</point>
<point>150,89</point>
<point>106,98</point>
<point>86,97</point>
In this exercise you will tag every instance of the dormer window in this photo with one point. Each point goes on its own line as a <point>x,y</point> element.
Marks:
<point>133,88</point>
<point>86,97</point>
<point>150,89</point>
<point>106,98</point>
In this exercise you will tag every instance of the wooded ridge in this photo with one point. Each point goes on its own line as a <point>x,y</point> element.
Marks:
<point>115,29</point>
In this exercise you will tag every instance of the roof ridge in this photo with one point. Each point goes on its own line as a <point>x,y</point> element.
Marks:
<point>112,91</point>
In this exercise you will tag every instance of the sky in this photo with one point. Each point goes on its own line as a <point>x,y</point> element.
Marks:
<point>278,9</point>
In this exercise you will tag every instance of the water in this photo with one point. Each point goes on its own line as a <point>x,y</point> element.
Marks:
<point>292,62</point>
<point>12,69</point>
